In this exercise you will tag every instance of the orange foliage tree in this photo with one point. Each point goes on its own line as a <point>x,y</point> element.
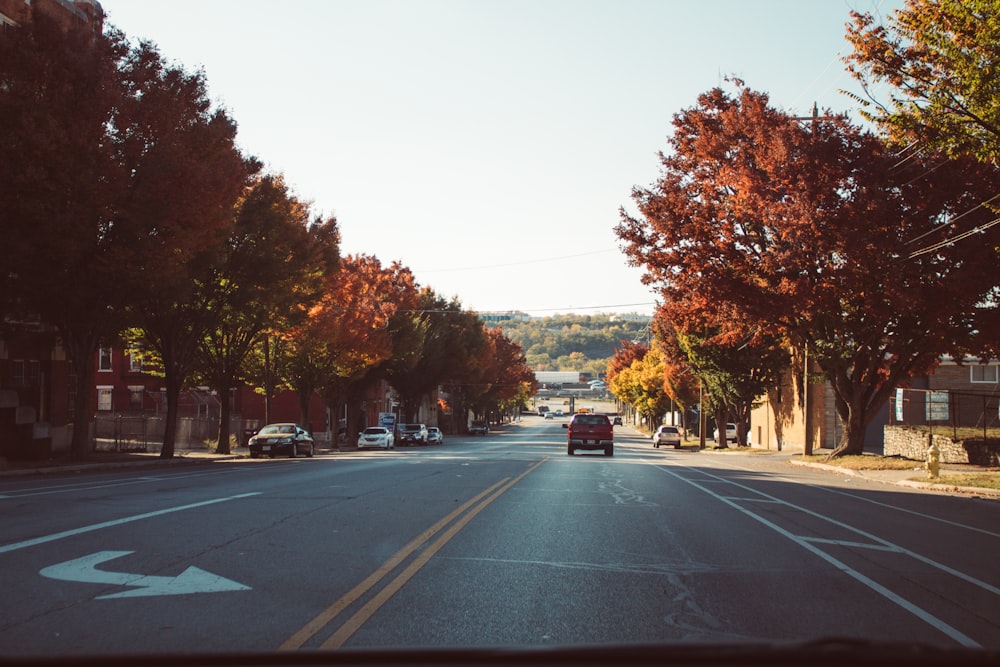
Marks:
<point>347,332</point>
<point>815,234</point>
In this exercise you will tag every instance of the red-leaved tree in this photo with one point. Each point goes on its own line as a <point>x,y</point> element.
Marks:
<point>816,233</point>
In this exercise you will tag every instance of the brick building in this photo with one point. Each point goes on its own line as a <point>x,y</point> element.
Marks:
<point>67,12</point>
<point>36,378</point>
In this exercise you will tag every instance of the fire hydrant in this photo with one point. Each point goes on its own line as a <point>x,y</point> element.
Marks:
<point>933,461</point>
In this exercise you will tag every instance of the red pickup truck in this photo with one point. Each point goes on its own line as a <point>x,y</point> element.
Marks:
<point>588,431</point>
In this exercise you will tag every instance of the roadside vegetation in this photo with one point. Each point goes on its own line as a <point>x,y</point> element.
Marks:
<point>788,251</point>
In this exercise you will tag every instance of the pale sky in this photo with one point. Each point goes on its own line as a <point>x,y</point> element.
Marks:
<point>489,144</point>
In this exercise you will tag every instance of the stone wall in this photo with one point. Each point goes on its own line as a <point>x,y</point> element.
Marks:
<point>912,443</point>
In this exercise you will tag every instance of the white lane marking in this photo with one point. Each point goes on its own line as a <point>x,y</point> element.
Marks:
<point>919,612</point>
<point>922,515</point>
<point>191,580</point>
<point>116,522</point>
<point>92,486</point>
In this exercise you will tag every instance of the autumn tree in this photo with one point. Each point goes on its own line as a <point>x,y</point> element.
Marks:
<point>641,385</point>
<point>347,332</point>
<point>60,94</point>
<point>271,271</point>
<point>506,377</point>
<point>819,235</point>
<point>940,61</point>
<point>171,227</point>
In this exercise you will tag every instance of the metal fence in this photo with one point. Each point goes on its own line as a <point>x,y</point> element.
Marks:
<point>959,414</point>
<point>144,433</point>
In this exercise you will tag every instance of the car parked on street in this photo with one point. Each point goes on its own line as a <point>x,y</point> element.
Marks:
<point>667,435</point>
<point>434,436</point>
<point>376,437</point>
<point>482,428</point>
<point>281,439</point>
<point>412,434</point>
<point>730,435</point>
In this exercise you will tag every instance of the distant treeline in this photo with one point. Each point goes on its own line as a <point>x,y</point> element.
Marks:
<point>572,342</point>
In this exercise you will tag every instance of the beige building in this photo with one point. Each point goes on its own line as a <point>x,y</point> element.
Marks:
<point>785,420</point>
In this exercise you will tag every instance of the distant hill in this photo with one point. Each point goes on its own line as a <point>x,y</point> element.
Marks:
<point>582,343</point>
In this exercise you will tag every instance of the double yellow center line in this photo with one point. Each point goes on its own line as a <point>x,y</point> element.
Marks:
<point>360,617</point>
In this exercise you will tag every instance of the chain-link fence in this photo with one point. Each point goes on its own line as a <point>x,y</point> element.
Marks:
<point>144,433</point>
<point>960,415</point>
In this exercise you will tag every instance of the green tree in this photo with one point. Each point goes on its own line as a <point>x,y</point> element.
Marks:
<point>270,273</point>
<point>185,175</point>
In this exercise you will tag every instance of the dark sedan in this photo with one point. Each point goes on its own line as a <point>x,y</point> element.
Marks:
<point>281,439</point>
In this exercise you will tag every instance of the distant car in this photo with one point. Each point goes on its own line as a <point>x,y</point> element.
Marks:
<point>284,439</point>
<point>549,415</point>
<point>617,421</point>
<point>559,412</point>
<point>412,434</point>
<point>730,434</point>
<point>667,435</point>
<point>376,437</point>
<point>482,428</point>
<point>434,436</point>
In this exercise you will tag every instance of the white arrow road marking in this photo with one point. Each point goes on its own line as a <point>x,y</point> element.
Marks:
<point>191,580</point>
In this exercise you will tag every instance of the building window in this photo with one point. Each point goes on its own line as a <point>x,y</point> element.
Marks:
<point>33,376</point>
<point>135,397</point>
<point>135,362</point>
<point>17,373</point>
<point>104,398</point>
<point>982,374</point>
<point>104,359</point>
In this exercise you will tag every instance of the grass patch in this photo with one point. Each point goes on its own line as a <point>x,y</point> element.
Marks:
<point>983,480</point>
<point>866,462</point>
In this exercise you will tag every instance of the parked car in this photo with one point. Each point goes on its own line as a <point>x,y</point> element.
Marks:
<point>376,436</point>
<point>412,434</point>
<point>284,439</point>
<point>730,434</point>
<point>667,435</point>
<point>482,428</point>
<point>434,436</point>
<point>617,421</point>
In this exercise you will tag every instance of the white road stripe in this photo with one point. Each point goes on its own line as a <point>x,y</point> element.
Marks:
<point>116,522</point>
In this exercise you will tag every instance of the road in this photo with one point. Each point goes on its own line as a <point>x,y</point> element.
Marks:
<point>501,540</point>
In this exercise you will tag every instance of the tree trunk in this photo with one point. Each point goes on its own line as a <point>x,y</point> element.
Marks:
<point>173,394</point>
<point>81,352</point>
<point>305,397</point>
<point>852,442</point>
<point>222,446</point>
<point>720,425</point>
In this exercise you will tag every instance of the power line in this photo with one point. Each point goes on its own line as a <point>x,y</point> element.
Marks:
<point>955,239</point>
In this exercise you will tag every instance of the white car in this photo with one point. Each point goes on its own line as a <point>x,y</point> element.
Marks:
<point>434,436</point>
<point>730,434</point>
<point>376,437</point>
<point>667,435</point>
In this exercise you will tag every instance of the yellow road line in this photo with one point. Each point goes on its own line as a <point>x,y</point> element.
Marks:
<point>299,639</point>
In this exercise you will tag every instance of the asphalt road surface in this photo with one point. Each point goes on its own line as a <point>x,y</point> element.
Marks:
<point>495,541</point>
